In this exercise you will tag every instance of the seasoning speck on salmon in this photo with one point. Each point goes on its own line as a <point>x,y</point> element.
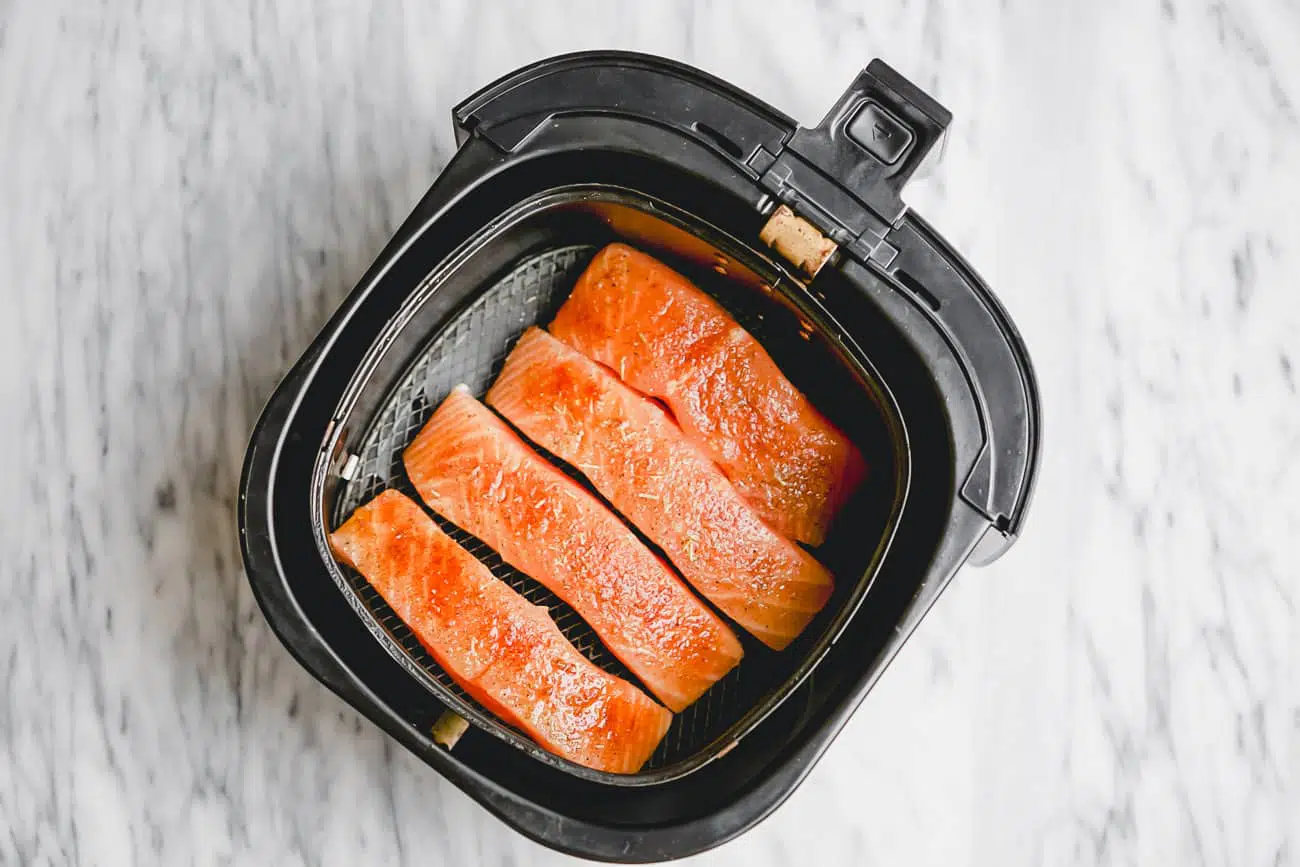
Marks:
<point>504,651</point>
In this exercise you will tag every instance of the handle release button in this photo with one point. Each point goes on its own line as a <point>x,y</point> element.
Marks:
<point>884,136</point>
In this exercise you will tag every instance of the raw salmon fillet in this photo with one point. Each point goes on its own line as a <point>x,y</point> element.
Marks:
<point>474,470</point>
<point>639,459</point>
<point>667,339</point>
<point>503,650</point>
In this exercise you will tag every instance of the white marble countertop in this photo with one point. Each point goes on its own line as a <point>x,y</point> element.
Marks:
<point>187,190</point>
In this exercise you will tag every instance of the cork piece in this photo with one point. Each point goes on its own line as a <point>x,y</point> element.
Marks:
<point>797,240</point>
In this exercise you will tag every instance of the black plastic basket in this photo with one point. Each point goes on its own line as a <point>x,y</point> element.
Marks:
<point>894,337</point>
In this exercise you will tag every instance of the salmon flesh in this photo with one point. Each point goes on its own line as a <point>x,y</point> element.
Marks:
<point>504,651</point>
<point>637,457</point>
<point>470,467</point>
<point>667,339</point>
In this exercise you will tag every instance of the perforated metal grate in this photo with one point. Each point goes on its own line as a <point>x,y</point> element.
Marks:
<point>471,349</point>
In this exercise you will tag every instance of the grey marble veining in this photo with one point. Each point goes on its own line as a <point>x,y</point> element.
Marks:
<point>187,190</point>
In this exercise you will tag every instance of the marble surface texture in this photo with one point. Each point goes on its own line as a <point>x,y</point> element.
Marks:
<point>187,190</point>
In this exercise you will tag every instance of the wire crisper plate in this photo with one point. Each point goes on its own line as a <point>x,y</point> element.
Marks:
<point>471,349</point>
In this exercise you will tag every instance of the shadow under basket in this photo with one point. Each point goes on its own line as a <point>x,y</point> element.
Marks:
<point>912,358</point>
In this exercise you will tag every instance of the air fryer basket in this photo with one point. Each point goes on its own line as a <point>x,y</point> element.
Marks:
<point>427,351</point>
<point>896,338</point>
